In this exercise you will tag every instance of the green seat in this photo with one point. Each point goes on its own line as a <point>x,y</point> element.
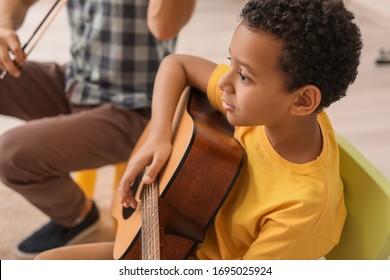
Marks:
<point>366,234</point>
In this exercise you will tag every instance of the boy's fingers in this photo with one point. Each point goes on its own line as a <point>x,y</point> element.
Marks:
<point>153,170</point>
<point>126,196</point>
<point>130,175</point>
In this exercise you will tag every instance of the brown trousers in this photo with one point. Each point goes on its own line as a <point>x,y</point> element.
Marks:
<point>36,158</point>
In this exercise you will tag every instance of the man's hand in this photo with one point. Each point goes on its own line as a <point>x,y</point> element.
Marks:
<point>11,53</point>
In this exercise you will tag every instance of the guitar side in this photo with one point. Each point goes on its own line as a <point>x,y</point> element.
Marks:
<point>197,178</point>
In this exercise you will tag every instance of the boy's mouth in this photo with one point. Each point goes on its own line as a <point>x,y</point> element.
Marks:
<point>227,106</point>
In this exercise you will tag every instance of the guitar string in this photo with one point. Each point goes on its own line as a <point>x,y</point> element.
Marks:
<point>155,222</point>
<point>152,248</point>
<point>144,221</point>
<point>142,225</point>
<point>156,229</point>
<point>147,224</point>
<point>155,226</point>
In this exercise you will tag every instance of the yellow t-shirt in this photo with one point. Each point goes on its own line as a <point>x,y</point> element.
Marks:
<point>277,209</point>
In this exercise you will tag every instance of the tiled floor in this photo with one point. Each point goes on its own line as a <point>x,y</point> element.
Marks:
<point>362,117</point>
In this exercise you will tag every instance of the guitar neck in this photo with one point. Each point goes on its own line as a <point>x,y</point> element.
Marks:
<point>150,230</point>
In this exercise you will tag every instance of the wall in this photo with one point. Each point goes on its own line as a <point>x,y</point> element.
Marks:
<point>378,10</point>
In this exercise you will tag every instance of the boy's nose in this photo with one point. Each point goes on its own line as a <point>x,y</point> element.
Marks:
<point>226,83</point>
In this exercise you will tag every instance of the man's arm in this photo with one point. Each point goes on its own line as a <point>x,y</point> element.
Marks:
<point>167,17</point>
<point>12,14</point>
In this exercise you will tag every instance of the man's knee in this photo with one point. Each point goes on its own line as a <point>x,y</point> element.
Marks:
<point>15,158</point>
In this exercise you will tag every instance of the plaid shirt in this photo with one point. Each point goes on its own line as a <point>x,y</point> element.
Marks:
<point>114,56</point>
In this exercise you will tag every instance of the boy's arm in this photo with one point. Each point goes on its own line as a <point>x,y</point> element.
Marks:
<point>12,14</point>
<point>167,17</point>
<point>175,73</point>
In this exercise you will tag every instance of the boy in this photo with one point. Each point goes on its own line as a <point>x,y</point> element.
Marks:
<point>290,59</point>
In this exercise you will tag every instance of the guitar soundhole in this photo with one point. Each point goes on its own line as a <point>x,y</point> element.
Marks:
<point>127,212</point>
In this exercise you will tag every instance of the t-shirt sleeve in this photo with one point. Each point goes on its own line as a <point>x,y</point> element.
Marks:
<point>214,93</point>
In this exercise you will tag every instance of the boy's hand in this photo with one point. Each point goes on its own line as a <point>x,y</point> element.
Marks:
<point>151,157</point>
<point>11,53</point>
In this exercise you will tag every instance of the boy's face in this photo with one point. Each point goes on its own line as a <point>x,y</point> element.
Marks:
<point>254,91</point>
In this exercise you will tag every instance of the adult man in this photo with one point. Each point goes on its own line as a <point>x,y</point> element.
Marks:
<point>85,115</point>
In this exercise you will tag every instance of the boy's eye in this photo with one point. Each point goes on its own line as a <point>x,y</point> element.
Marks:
<point>243,78</point>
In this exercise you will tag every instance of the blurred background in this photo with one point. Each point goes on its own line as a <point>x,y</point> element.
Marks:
<point>362,117</point>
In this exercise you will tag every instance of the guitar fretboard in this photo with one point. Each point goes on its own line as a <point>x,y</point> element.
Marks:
<point>150,230</point>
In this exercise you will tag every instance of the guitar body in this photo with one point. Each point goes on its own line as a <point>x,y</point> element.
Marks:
<point>196,180</point>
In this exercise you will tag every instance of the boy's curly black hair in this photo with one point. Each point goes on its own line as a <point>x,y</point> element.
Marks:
<point>322,44</point>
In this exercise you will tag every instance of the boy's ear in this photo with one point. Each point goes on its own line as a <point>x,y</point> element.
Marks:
<point>307,100</point>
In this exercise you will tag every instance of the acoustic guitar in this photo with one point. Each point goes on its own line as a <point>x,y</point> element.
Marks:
<point>174,213</point>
